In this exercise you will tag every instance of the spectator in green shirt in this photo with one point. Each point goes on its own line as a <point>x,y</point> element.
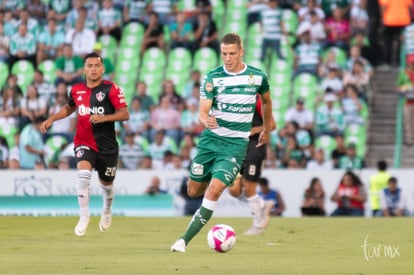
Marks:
<point>351,161</point>
<point>50,42</point>
<point>22,46</point>
<point>68,67</point>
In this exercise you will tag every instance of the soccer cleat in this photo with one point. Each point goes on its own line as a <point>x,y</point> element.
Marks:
<point>105,222</point>
<point>254,230</point>
<point>178,246</point>
<point>265,215</point>
<point>80,229</point>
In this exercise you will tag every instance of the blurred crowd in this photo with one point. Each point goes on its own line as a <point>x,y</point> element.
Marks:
<point>332,41</point>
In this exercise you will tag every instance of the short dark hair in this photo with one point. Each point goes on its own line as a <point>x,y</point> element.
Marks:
<point>232,38</point>
<point>393,180</point>
<point>92,55</point>
<point>382,165</point>
<point>264,182</point>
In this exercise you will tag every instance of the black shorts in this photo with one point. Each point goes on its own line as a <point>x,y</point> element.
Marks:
<point>104,164</point>
<point>254,161</point>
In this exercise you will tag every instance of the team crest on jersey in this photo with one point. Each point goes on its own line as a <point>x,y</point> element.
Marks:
<point>209,87</point>
<point>80,153</point>
<point>100,96</point>
<point>250,80</point>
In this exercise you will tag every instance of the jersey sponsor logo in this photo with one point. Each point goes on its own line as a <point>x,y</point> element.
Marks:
<point>252,170</point>
<point>234,109</point>
<point>100,96</point>
<point>79,98</point>
<point>209,87</point>
<point>80,92</point>
<point>85,110</point>
<point>197,169</point>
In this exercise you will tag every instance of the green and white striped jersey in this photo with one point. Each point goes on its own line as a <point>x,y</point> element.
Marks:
<point>25,43</point>
<point>234,100</point>
<point>308,54</point>
<point>271,20</point>
<point>409,39</point>
<point>108,17</point>
<point>60,6</point>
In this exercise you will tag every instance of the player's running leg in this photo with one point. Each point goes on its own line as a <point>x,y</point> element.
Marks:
<point>106,216</point>
<point>83,180</point>
<point>259,208</point>
<point>203,214</point>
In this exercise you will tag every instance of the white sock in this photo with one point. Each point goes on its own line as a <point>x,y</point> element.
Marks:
<point>256,204</point>
<point>107,196</point>
<point>208,204</point>
<point>83,178</point>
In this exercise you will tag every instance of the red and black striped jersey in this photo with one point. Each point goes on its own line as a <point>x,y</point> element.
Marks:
<point>104,99</point>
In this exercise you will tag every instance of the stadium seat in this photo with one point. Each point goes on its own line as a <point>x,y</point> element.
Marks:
<point>53,146</point>
<point>4,73</point>
<point>179,61</point>
<point>219,10</point>
<point>291,21</point>
<point>25,73</point>
<point>8,131</point>
<point>133,28</point>
<point>47,67</point>
<point>280,67</point>
<point>326,143</point>
<point>339,53</point>
<point>155,58</point>
<point>306,85</point>
<point>357,134</point>
<point>205,59</point>
<point>109,47</point>
<point>152,70</point>
<point>236,21</point>
<point>130,54</point>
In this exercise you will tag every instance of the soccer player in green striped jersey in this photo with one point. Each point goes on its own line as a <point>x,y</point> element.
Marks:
<point>227,104</point>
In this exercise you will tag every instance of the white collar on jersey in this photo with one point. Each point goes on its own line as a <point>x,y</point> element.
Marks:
<point>231,73</point>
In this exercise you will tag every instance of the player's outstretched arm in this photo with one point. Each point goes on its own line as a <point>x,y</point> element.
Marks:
<point>64,112</point>
<point>121,114</point>
<point>267,119</point>
<point>204,117</point>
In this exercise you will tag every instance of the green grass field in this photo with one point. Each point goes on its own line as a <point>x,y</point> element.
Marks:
<point>47,245</point>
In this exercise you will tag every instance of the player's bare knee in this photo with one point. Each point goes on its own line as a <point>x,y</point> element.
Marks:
<point>195,189</point>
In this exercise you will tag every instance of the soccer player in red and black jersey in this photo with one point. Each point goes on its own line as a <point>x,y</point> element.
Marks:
<point>245,185</point>
<point>99,103</point>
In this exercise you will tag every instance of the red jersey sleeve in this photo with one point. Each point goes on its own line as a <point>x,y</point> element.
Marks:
<point>117,97</point>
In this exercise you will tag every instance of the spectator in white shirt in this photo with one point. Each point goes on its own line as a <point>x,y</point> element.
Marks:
<point>305,11</point>
<point>81,39</point>
<point>333,80</point>
<point>318,161</point>
<point>315,26</point>
<point>304,117</point>
<point>393,201</point>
